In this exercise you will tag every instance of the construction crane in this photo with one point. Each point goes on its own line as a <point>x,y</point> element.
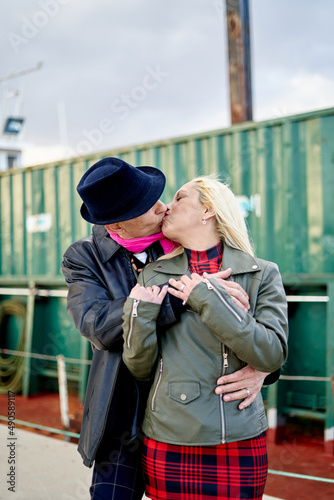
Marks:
<point>10,132</point>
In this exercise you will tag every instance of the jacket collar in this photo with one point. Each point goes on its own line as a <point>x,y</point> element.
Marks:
<point>106,246</point>
<point>240,262</point>
<point>176,265</point>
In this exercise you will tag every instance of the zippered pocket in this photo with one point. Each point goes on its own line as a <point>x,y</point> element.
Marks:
<point>134,314</point>
<point>157,385</point>
<point>222,298</point>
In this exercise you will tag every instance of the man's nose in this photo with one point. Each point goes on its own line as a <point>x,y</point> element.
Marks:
<point>161,207</point>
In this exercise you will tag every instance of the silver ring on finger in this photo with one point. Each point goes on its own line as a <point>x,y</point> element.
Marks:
<point>247,392</point>
<point>182,287</point>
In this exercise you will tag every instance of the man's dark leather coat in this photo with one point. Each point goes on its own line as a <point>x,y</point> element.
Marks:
<point>100,276</point>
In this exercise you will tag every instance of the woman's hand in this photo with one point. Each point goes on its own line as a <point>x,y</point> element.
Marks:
<point>149,294</point>
<point>183,288</point>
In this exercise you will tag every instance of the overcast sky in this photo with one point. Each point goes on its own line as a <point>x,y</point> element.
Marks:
<point>124,72</point>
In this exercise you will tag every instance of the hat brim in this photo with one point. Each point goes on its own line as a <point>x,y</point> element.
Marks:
<point>155,187</point>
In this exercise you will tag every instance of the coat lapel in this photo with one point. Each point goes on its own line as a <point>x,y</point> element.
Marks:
<point>240,262</point>
<point>106,246</point>
<point>175,266</point>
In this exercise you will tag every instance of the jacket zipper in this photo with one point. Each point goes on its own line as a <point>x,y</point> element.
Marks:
<point>134,314</point>
<point>225,358</point>
<point>222,412</point>
<point>222,298</point>
<point>225,354</point>
<point>157,385</point>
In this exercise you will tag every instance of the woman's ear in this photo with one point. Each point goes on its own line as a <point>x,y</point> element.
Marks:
<point>208,214</point>
<point>116,228</point>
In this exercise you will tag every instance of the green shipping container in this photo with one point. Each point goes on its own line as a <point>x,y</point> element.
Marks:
<point>283,172</point>
<point>282,169</point>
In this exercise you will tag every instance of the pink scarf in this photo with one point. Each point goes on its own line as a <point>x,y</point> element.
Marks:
<point>137,245</point>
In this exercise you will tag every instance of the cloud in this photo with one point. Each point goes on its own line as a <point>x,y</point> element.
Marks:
<point>95,53</point>
<point>301,93</point>
<point>37,155</point>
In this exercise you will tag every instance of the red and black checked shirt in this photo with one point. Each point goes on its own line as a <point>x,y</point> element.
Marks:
<point>205,261</point>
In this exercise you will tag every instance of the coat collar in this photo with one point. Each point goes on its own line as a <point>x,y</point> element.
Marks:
<point>240,262</point>
<point>105,245</point>
<point>176,265</point>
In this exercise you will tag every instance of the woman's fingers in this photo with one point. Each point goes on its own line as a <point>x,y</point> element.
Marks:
<point>153,294</point>
<point>180,284</point>
<point>162,292</point>
<point>182,288</point>
<point>136,292</point>
<point>176,293</point>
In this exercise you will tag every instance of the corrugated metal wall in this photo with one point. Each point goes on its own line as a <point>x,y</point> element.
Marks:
<point>283,168</point>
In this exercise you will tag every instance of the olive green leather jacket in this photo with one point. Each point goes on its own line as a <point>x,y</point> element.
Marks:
<point>214,337</point>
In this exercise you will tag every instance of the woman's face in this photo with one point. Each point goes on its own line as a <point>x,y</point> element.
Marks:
<point>184,215</point>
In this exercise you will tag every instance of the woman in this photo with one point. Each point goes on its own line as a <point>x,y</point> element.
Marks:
<point>197,446</point>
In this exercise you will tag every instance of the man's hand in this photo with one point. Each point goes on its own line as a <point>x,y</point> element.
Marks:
<point>236,384</point>
<point>237,293</point>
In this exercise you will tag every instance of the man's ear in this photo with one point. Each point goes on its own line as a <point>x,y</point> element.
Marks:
<point>116,228</point>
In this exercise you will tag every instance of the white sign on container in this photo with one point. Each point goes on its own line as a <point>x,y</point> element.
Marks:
<point>38,223</point>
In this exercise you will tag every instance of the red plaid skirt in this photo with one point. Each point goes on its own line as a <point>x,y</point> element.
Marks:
<point>228,471</point>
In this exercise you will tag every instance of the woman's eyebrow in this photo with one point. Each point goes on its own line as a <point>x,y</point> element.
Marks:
<point>181,191</point>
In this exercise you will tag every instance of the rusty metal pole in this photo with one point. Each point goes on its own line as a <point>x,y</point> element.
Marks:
<point>237,14</point>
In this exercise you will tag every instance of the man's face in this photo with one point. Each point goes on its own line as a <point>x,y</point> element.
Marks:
<point>145,225</point>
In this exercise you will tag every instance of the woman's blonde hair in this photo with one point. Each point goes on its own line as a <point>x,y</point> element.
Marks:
<point>217,197</point>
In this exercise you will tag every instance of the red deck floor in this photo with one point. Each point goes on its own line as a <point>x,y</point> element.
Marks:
<point>294,454</point>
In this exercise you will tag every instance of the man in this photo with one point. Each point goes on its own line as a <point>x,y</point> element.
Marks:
<point>123,204</point>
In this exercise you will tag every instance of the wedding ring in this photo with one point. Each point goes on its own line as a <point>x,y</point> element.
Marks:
<point>182,287</point>
<point>247,391</point>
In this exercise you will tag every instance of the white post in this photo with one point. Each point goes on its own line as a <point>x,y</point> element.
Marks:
<point>63,395</point>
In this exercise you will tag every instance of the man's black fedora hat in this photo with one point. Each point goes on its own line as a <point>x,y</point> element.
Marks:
<point>114,191</point>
